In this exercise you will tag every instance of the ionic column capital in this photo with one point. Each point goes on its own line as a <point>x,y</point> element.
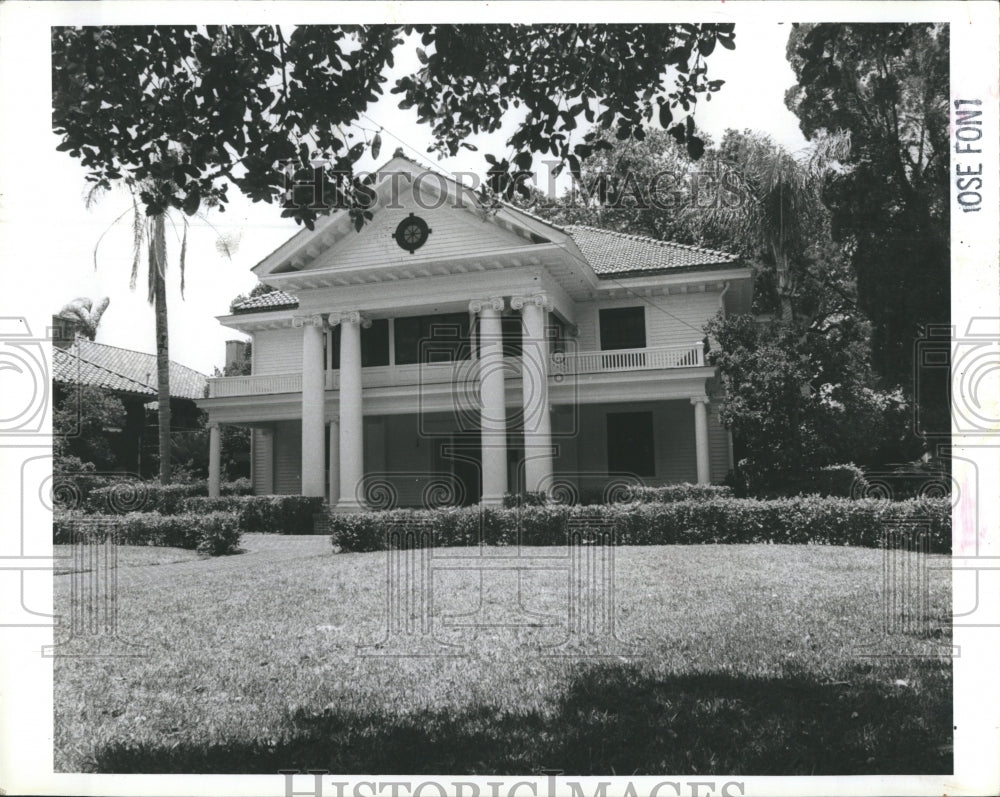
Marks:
<point>494,302</point>
<point>537,299</point>
<point>699,399</point>
<point>310,320</point>
<point>350,317</point>
<point>213,425</point>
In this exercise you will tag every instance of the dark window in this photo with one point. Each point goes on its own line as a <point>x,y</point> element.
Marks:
<point>511,326</point>
<point>432,338</point>
<point>623,328</point>
<point>630,443</point>
<point>374,344</point>
<point>557,333</point>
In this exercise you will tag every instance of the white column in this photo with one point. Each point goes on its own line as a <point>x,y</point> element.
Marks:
<point>352,464</point>
<point>313,387</point>
<point>214,460</point>
<point>334,462</point>
<point>535,391</point>
<point>701,437</point>
<point>492,400</point>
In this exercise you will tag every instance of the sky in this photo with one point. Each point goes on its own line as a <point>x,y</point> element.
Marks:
<point>59,235</point>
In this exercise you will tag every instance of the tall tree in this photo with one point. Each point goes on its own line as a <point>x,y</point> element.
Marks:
<point>645,186</point>
<point>886,84</point>
<point>781,213</point>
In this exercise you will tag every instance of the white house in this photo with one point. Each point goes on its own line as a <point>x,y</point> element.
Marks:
<point>445,354</point>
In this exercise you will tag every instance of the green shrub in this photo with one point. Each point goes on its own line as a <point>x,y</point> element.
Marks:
<point>126,496</point>
<point>831,481</point>
<point>272,514</point>
<point>512,500</point>
<point>669,493</point>
<point>802,520</point>
<point>213,533</point>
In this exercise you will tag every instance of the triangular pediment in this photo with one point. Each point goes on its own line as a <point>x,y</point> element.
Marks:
<point>458,229</point>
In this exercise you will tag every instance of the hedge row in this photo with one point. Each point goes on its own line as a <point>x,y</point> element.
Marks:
<point>670,493</point>
<point>627,494</point>
<point>212,533</point>
<point>73,489</point>
<point>274,514</point>
<point>124,496</point>
<point>812,520</point>
<point>840,481</point>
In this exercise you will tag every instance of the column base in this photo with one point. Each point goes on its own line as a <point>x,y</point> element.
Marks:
<point>495,501</point>
<point>346,507</point>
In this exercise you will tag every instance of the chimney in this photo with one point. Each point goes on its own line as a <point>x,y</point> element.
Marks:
<point>235,353</point>
<point>63,332</point>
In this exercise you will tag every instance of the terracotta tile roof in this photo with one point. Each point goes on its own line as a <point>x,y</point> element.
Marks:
<point>278,300</point>
<point>615,253</point>
<point>123,370</point>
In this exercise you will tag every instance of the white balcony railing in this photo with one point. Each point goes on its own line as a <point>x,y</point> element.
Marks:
<point>585,362</point>
<point>596,362</point>
<point>262,385</point>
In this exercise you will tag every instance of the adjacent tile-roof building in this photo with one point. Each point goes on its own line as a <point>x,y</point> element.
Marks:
<point>616,253</point>
<point>122,370</point>
<point>277,300</point>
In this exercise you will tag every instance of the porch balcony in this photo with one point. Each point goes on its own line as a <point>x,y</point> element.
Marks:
<point>560,364</point>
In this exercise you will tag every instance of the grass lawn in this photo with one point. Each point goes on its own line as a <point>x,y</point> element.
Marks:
<point>748,659</point>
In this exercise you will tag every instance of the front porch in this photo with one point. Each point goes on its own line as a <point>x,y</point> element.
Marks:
<point>435,459</point>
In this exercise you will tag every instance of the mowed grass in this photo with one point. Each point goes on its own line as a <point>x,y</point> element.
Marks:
<point>753,659</point>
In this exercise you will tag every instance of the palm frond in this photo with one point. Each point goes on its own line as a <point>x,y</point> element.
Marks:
<point>138,229</point>
<point>184,242</point>
<point>106,231</point>
<point>93,195</point>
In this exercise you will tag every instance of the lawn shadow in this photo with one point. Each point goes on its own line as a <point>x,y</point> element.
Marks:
<point>614,719</point>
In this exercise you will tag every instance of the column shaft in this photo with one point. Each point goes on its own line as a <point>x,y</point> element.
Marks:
<point>334,462</point>
<point>313,378</point>
<point>535,398</point>
<point>701,439</point>
<point>214,460</point>
<point>352,466</point>
<point>493,404</point>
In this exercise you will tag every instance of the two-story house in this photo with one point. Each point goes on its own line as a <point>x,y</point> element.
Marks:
<point>444,354</point>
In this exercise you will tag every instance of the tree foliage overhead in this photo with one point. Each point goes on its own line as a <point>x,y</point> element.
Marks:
<point>888,86</point>
<point>185,112</point>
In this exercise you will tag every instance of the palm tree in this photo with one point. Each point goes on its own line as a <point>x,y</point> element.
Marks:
<point>782,209</point>
<point>82,316</point>
<point>151,229</point>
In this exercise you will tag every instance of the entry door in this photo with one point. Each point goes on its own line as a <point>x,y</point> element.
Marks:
<point>462,458</point>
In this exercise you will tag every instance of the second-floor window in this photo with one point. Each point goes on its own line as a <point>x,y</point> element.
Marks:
<point>432,338</point>
<point>623,328</point>
<point>374,345</point>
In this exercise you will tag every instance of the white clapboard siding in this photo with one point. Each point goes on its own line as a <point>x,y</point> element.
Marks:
<point>453,234</point>
<point>288,457</point>
<point>670,320</point>
<point>263,461</point>
<point>277,351</point>
<point>718,444</point>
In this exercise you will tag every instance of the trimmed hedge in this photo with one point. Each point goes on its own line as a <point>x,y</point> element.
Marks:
<point>212,533</point>
<point>514,500</point>
<point>137,496</point>
<point>808,520</point>
<point>646,495</point>
<point>273,514</point>
<point>831,481</point>
<point>669,493</point>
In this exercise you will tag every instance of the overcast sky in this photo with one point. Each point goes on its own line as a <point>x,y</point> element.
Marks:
<point>57,235</point>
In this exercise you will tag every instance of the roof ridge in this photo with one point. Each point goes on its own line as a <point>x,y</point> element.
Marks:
<point>650,239</point>
<point>129,351</point>
<point>105,369</point>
